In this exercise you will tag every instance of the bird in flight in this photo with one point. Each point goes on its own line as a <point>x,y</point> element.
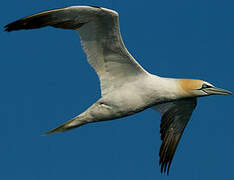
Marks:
<point>126,87</point>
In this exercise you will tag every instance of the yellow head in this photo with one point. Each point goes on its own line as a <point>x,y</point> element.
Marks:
<point>197,88</point>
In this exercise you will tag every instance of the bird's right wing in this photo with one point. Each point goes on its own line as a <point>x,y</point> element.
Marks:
<point>175,116</point>
<point>100,37</point>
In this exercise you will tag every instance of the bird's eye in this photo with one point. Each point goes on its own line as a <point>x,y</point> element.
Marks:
<point>205,86</point>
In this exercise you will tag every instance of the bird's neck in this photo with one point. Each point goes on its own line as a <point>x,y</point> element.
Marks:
<point>167,88</point>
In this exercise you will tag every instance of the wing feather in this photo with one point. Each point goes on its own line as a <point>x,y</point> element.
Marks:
<point>175,116</point>
<point>100,37</point>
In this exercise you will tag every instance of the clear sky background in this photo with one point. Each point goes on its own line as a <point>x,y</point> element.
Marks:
<point>45,81</point>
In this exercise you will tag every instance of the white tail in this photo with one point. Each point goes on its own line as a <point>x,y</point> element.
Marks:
<point>73,123</point>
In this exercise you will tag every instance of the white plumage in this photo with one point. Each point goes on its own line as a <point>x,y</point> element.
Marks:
<point>126,87</point>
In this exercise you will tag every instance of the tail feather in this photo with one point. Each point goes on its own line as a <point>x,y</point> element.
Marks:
<point>75,122</point>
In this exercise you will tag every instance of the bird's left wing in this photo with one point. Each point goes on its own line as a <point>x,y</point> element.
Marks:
<point>100,37</point>
<point>175,116</point>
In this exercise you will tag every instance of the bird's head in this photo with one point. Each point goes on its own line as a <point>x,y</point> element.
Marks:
<point>198,88</point>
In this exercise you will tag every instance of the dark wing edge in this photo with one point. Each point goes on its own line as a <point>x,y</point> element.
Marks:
<point>172,126</point>
<point>58,18</point>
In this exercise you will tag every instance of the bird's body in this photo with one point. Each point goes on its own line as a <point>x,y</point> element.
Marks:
<point>126,87</point>
<point>129,99</point>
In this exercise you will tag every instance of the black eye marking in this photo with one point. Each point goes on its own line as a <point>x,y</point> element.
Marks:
<point>204,86</point>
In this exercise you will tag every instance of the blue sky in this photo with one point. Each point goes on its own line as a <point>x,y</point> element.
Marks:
<point>45,81</point>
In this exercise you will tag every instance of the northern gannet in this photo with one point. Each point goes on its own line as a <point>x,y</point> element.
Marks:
<point>126,88</point>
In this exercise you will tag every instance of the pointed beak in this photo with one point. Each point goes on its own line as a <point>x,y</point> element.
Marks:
<point>217,91</point>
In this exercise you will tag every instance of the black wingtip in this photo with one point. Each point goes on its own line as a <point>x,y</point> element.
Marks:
<point>165,168</point>
<point>16,25</point>
<point>95,6</point>
<point>7,29</point>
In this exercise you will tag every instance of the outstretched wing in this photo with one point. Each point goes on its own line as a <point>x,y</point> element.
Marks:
<point>100,37</point>
<point>175,116</point>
